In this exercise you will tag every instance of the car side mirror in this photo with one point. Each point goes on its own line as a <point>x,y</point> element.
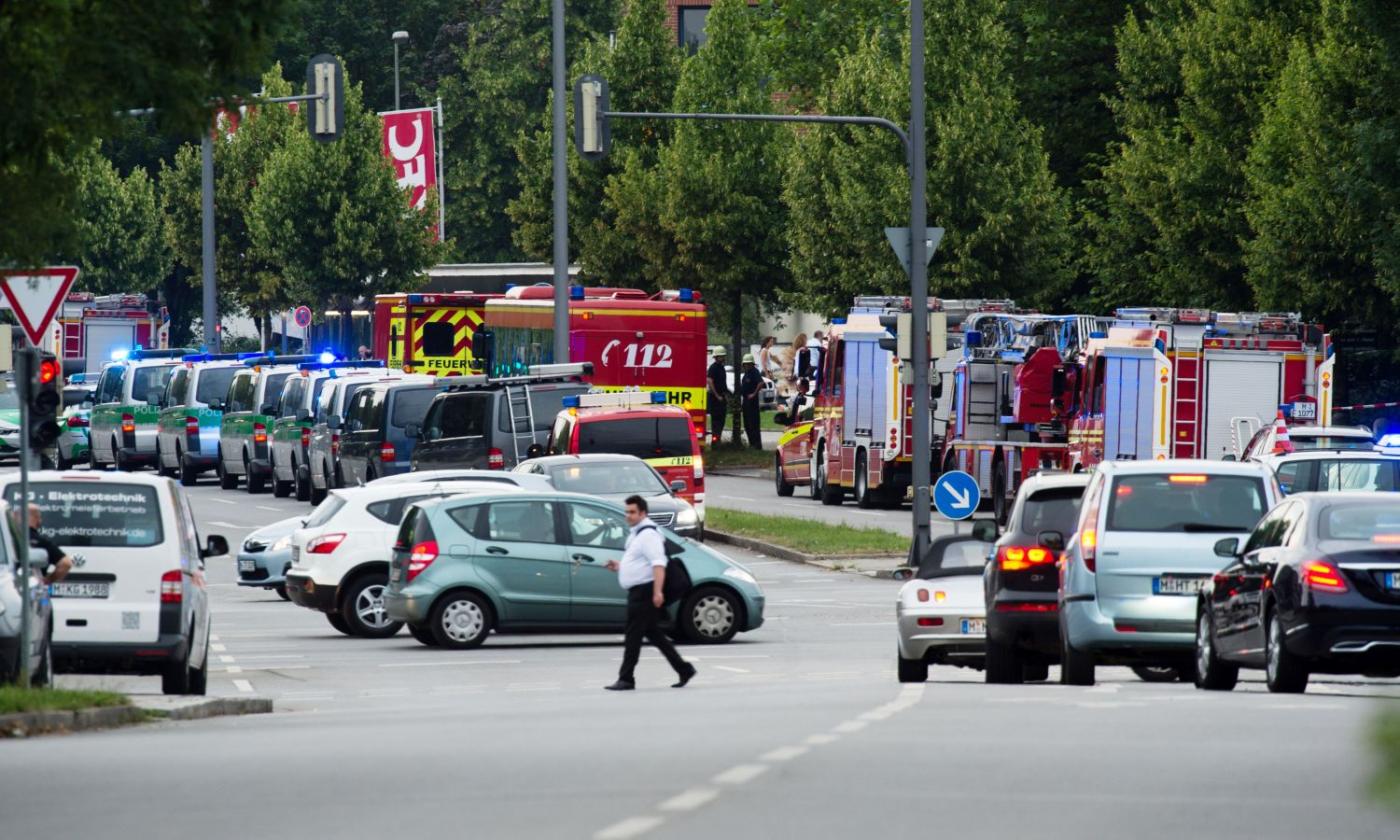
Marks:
<point>1230,457</point>
<point>984,530</point>
<point>155,398</point>
<point>1053,540</point>
<point>216,405</point>
<point>1228,547</point>
<point>269,409</point>
<point>303,415</point>
<point>214,546</point>
<point>677,486</point>
<point>781,418</point>
<point>413,430</point>
<point>333,421</point>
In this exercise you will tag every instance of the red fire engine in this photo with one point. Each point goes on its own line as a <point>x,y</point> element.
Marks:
<point>89,328</point>
<point>650,342</point>
<point>429,333</point>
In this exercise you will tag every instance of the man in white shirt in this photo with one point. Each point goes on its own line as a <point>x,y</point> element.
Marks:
<point>642,572</point>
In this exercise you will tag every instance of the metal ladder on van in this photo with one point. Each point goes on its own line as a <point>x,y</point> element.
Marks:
<point>1189,406</point>
<point>520,410</point>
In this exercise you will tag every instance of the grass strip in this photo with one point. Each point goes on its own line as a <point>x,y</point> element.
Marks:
<point>14,699</point>
<point>728,455</point>
<point>805,535</point>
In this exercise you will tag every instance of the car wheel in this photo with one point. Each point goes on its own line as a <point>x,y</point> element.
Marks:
<point>1212,673</point>
<point>829,495</point>
<point>64,463</point>
<point>175,679</point>
<point>781,483</point>
<point>256,483</point>
<point>199,677</point>
<point>189,476</point>
<point>710,615</point>
<point>364,608</point>
<point>281,590</point>
<point>423,633</point>
<point>1035,671</point>
<point>121,462</point>
<point>302,481</point>
<point>161,469</point>
<point>227,480</point>
<point>318,494</point>
<point>864,498</point>
<point>1004,664</point>
<point>1157,673</point>
<point>461,620</point>
<point>1001,507</point>
<point>1284,672</point>
<point>338,622</point>
<point>1076,666</point>
<point>280,489</point>
<point>912,670</point>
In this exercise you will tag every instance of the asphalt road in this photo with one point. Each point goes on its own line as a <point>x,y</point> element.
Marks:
<point>757,495</point>
<point>798,730</point>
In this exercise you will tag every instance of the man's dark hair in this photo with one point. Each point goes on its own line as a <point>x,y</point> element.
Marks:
<point>639,502</point>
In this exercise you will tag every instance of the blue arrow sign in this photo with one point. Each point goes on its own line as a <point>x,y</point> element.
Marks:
<point>956,494</point>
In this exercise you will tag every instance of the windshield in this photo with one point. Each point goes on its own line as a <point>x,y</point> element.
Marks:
<point>1345,442</point>
<point>325,511</point>
<point>1185,503</point>
<point>147,379</point>
<point>213,384</point>
<point>1357,474</point>
<point>642,437</point>
<point>1371,521</point>
<point>1052,510</point>
<point>72,397</point>
<point>92,514</point>
<point>954,555</point>
<point>410,404</point>
<point>607,478</point>
<point>272,390</point>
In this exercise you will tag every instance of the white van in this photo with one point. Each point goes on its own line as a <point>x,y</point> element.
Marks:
<point>135,601</point>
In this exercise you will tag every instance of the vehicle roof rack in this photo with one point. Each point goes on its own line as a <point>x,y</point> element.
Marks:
<point>355,363</point>
<point>561,372</point>
<point>274,359</point>
<point>616,399</point>
<point>140,354</point>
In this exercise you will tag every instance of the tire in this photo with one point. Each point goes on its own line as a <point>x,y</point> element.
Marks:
<point>93,463</point>
<point>1157,673</point>
<point>161,469</point>
<point>175,679</point>
<point>780,483</point>
<point>865,499</point>
<point>338,623</point>
<point>302,482</point>
<point>189,476</point>
<point>363,608</point>
<point>1001,507</point>
<point>424,634</point>
<point>1035,671</point>
<point>829,495</point>
<point>814,491</point>
<point>461,620</point>
<point>281,489</point>
<point>122,464</point>
<point>64,464</point>
<point>227,480</point>
<point>318,495</point>
<point>912,670</point>
<point>1212,672</point>
<point>199,677</point>
<point>710,615</point>
<point>281,590</point>
<point>255,483</point>
<point>1284,672</point>
<point>1004,664</point>
<point>1076,667</point>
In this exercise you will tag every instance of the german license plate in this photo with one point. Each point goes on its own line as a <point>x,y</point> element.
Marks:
<point>974,626</point>
<point>68,589</point>
<point>1304,411</point>
<point>247,566</point>
<point>1175,585</point>
<point>1392,580</point>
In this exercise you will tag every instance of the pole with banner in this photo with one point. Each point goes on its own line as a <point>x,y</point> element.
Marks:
<point>409,143</point>
<point>441,176</point>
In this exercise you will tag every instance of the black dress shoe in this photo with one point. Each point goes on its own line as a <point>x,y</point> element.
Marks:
<point>686,677</point>
<point>620,685</point>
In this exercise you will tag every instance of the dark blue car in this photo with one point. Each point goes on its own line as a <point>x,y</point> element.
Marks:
<point>381,426</point>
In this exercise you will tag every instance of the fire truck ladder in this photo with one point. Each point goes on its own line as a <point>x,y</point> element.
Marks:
<point>520,409</point>
<point>1187,409</point>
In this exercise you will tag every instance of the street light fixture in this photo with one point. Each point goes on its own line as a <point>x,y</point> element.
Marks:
<point>399,37</point>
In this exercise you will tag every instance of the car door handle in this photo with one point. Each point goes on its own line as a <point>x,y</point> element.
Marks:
<point>496,549</point>
<point>583,558</point>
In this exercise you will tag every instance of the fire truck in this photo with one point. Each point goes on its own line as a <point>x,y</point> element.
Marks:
<point>89,328</point>
<point>429,333</point>
<point>635,340</point>
<point>1190,383</point>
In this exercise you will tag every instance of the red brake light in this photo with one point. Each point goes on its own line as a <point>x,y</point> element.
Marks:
<point>191,426</point>
<point>386,451</point>
<point>305,436</point>
<point>1028,606</point>
<point>930,622</point>
<point>76,422</point>
<point>172,587</point>
<point>1014,558</point>
<point>335,443</point>
<point>1321,576</point>
<point>259,433</point>
<point>421,557</point>
<point>128,424</point>
<point>1187,479</point>
<point>325,544</point>
<point>495,459</point>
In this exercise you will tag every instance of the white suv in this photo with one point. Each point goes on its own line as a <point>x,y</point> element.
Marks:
<point>340,559</point>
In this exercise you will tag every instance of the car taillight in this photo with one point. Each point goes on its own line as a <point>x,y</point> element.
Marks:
<point>172,587</point>
<point>421,557</point>
<point>699,473</point>
<point>259,433</point>
<point>1027,606</point>
<point>1321,576</point>
<point>495,459</point>
<point>325,544</point>
<point>76,422</point>
<point>305,437</point>
<point>1089,542</point>
<point>937,595</point>
<point>1014,558</point>
<point>386,452</point>
<point>192,427</point>
<point>335,443</point>
<point>128,424</point>
<point>930,622</point>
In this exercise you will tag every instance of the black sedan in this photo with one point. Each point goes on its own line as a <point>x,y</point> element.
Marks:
<point>1315,589</point>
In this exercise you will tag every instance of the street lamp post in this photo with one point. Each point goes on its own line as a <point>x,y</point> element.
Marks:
<point>399,37</point>
<point>918,284</point>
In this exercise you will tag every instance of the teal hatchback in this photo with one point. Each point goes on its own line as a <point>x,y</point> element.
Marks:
<point>463,567</point>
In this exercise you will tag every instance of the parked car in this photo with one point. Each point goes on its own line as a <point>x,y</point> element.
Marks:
<point>1329,470</point>
<point>122,425</point>
<point>470,427</point>
<point>323,452</point>
<point>248,413</point>
<point>10,445</point>
<point>73,442</point>
<point>266,555</point>
<point>382,425</point>
<point>1144,548</point>
<point>291,431</point>
<point>793,456</point>
<point>1314,588</point>
<point>187,429</point>
<point>615,477</point>
<point>138,604</point>
<point>1022,580</point>
<point>465,567</point>
<point>1265,441</point>
<point>940,615</point>
<point>523,480</point>
<point>14,565</point>
<point>340,557</point>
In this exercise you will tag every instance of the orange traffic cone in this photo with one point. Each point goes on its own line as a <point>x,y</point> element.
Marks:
<point>1282,445</point>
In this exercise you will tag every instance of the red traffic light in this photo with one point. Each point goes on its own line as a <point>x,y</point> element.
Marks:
<point>48,371</point>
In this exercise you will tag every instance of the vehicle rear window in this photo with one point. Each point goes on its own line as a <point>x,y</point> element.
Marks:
<point>213,384</point>
<point>390,511</point>
<point>458,416</point>
<point>1052,510</point>
<point>1371,521</point>
<point>644,437</point>
<point>1351,444</point>
<point>607,478</point>
<point>545,405</point>
<point>410,404</point>
<point>147,379</point>
<point>96,514</point>
<point>272,389</point>
<point>325,511</point>
<point>415,528</point>
<point>1184,503</point>
<point>1356,474</point>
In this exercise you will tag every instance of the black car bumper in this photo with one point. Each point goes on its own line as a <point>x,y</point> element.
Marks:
<point>1348,642</point>
<point>1026,620</point>
<point>305,592</point>
<point>133,455</point>
<point>196,461</point>
<point>148,658</point>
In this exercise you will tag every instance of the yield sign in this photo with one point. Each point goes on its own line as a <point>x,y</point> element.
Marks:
<point>35,295</point>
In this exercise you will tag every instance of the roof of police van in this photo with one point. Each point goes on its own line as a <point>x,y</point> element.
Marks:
<point>1183,465</point>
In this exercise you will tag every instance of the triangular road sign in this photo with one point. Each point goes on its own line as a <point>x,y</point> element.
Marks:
<point>36,294</point>
<point>899,241</point>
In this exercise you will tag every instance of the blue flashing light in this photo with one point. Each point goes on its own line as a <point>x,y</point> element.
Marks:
<point>121,354</point>
<point>575,293</point>
<point>249,355</point>
<point>327,357</point>
<point>1390,441</point>
<point>658,396</point>
<point>836,322</point>
<point>1098,334</point>
<point>972,338</point>
<point>687,295</point>
<point>510,286</point>
<point>571,402</point>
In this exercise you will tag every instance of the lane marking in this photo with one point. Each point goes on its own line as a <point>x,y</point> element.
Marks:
<point>783,753</point>
<point>233,669</point>
<point>226,659</point>
<point>244,686</point>
<point>221,501</point>
<point>217,648</point>
<point>630,827</point>
<point>265,507</point>
<point>821,738</point>
<point>732,669</point>
<point>689,800</point>
<point>227,524</point>
<point>448,662</point>
<point>740,774</point>
<point>850,726</point>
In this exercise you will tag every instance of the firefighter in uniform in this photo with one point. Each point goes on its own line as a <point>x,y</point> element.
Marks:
<point>749,386</point>
<point>718,397</point>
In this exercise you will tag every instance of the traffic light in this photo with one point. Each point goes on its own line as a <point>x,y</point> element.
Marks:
<point>901,327</point>
<point>325,117</point>
<point>592,135</point>
<point>45,400</point>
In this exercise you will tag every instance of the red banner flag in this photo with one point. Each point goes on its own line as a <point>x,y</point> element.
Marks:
<point>409,143</point>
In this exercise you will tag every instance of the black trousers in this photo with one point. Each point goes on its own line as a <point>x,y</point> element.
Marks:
<point>642,620</point>
<point>751,423</point>
<point>719,407</point>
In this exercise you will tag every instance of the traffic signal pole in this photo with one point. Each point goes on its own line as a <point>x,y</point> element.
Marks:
<point>24,373</point>
<point>918,287</point>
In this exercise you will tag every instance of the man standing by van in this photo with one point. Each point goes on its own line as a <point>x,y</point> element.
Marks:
<point>642,572</point>
<point>717,396</point>
<point>59,562</point>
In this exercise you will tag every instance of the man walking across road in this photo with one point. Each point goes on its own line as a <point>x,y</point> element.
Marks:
<point>642,572</point>
<point>749,386</point>
<point>717,396</point>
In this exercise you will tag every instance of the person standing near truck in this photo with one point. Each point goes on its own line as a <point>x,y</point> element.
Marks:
<point>717,394</point>
<point>749,386</point>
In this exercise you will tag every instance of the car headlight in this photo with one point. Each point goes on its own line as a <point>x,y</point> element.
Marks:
<point>686,517</point>
<point>282,544</point>
<point>740,574</point>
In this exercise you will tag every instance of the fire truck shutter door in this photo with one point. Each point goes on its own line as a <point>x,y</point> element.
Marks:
<point>1238,387</point>
<point>103,337</point>
<point>1128,408</point>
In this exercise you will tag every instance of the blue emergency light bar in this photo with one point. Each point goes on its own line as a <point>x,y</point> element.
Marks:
<point>218,357</point>
<point>838,321</point>
<point>571,402</point>
<point>137,354</point>
<point>274,359</point>
<point>687,295</point>
<point>575,293</point>
<point>371,363</point>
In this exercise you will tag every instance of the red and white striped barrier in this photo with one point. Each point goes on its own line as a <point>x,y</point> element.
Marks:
<point>1366,405</point>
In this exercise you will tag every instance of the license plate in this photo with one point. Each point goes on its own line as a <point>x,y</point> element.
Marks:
<point>64,589</point>
<point>1392,580</point>
<point>296,555</point>
<point>1304,411</point>
<point>247,566</point>
<point>1171,585</point>
<point>974,626</point>
<point>394,573</point>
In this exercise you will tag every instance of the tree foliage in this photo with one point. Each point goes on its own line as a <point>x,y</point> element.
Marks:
<point>121,244</point>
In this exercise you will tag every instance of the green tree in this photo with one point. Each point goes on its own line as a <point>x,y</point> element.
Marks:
<point>120,230</point>
<point>805,41</point>
<point>67,70</point>
<point>989,184</point>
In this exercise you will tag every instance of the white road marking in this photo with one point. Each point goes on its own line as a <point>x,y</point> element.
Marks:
<point>740,774</point>
<point>221,501</point>
<point>226,659</point>
<point>217,648</point>
<point>689,800</point>
<point>213,637</point>
<point>1106,688</point>
<point>850,726</point>
<point>630,827</point>
<point>243,686</point>
<point>783,754</point>
<point>732,669</point>
<point>265,507</point>
<point>227,524</point>
<point>821,738</point>
<point>449,662</point>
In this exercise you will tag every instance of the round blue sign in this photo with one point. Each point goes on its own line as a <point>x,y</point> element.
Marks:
<point>956,495</point>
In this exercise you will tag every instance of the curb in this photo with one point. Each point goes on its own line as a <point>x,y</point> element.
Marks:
<point>213,707</point>
<point>25,724</point>
<point>832,562</point>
